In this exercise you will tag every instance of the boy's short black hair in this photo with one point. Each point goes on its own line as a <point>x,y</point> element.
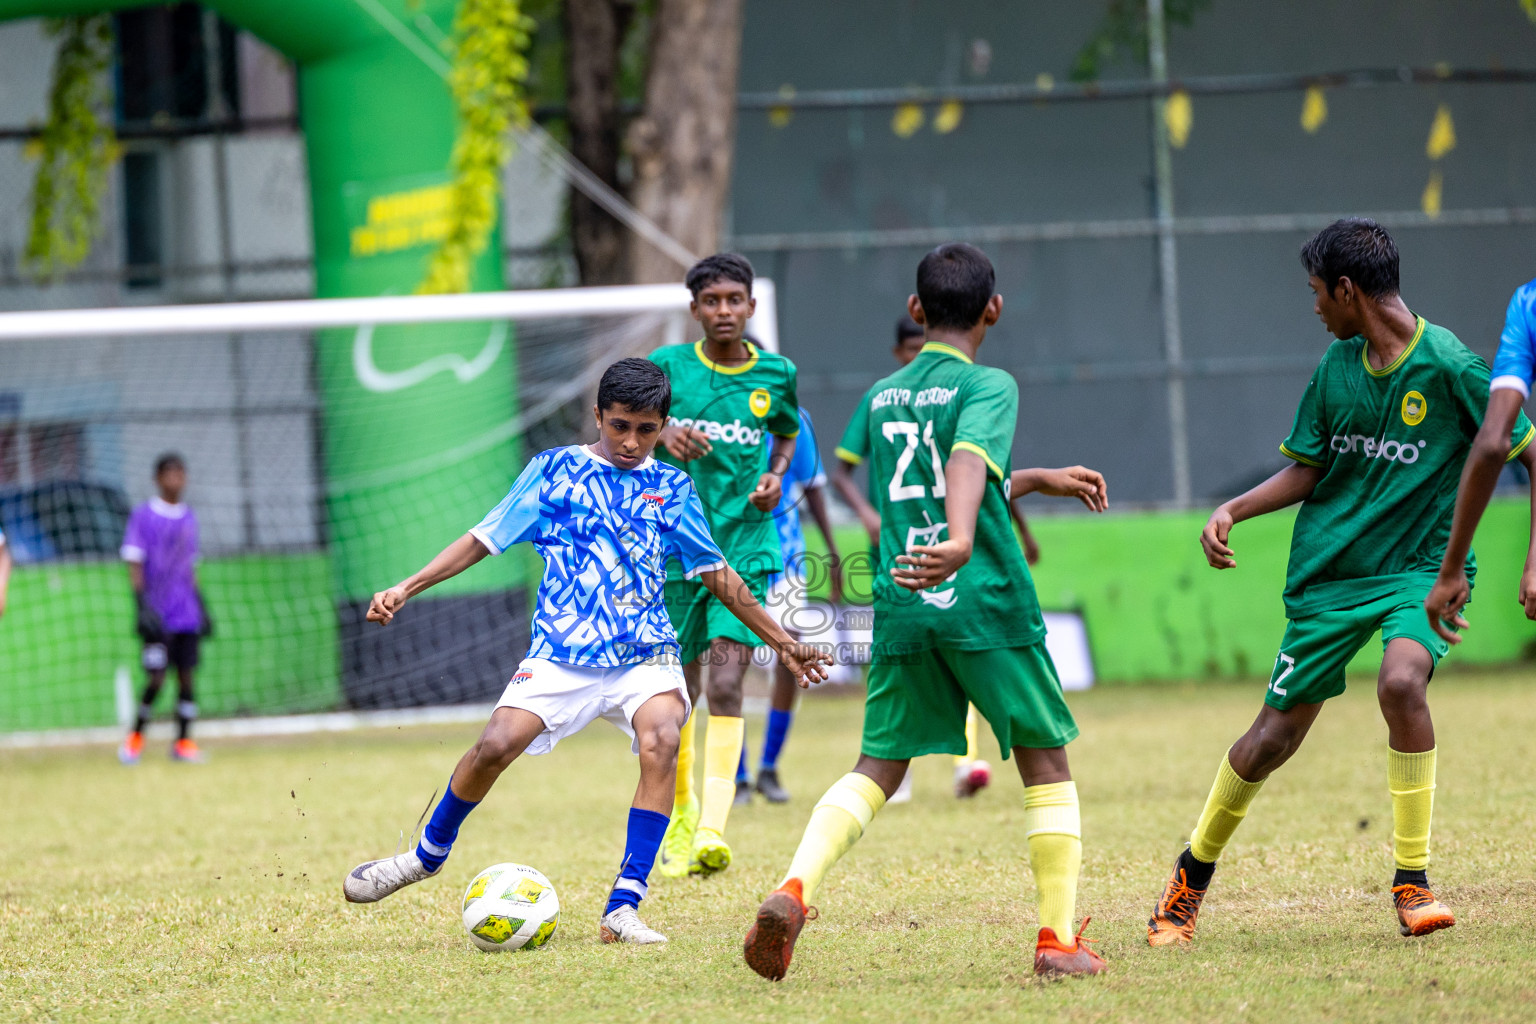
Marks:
<point>637,385</point>
<point>1357,248</point>
<point>170,460</point>
<point>722,266</point>
<point>954,283</point>
<point>906,328</point>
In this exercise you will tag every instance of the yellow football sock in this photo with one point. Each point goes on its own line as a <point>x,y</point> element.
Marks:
<point>1054,833</point>
<point>722,751</point>
<point>972,736</point>
<point>839,819</point>
<point>685,763</point>
<point>1411,778</point>
<point>1224,811</point>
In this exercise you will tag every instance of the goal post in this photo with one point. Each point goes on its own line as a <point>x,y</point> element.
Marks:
<point>333,446</point>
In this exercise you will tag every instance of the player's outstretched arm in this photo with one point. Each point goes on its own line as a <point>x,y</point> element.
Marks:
<point>451,561</point>
<point>1292,484</point>
<point>805,662</point>
<point>1086,485</point>
<point>848,490</point>
<point>928,565</point>
<point>1479,476</point>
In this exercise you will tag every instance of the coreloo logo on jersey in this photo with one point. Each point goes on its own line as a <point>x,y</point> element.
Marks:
<point>760,401</point>
<point>1414,408</point>
<point>1406,452</point>
<point>734,432</point>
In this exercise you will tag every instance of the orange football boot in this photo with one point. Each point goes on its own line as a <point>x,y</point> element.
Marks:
<point>1054,959</point>
<point>1418,912</point>
<point>133,746</point>
<point>186,751</point>
<point>771,942</point>
<point>1173,919</point>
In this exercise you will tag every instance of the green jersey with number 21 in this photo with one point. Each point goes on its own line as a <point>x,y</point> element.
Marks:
<point>912,421</point>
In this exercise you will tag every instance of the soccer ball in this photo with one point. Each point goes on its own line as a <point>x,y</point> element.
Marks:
<point>510,906</point>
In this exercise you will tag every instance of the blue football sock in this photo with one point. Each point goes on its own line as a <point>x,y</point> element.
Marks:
<point>640,845</point>
<point>741,766</point>
<point>778,731</point>
<point>443,828</point>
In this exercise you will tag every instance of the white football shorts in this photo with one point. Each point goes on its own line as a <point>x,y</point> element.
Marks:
<point>568,698</point>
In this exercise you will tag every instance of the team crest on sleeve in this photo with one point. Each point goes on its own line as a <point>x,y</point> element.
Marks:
<point>1414,408</point>
<point>760,401</point>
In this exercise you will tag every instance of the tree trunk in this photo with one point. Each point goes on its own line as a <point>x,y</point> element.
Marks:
<point>683,143</point>
<point>594,32</point>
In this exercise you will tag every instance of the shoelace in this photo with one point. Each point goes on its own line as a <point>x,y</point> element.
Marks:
<point>1412,897</point>
<point>1080,938</point>
<point>1183,903</point>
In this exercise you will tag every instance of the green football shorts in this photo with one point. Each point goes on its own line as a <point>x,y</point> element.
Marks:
<point>698,616</point>
<point>917,701</point>
<point>1316,649</point>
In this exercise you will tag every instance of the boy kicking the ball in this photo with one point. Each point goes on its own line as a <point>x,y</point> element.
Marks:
<point>605,517</point>
<point>1376,449</point>
<point>956,618</point>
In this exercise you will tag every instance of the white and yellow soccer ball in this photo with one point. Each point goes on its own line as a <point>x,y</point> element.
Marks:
<point>510,906</point>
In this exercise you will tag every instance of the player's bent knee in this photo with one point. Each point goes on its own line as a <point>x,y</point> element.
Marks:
<point>496,749</point>
<point>659,744</point>
<point>1401,688</point>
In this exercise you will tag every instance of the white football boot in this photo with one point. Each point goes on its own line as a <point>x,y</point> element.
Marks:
<point>372,880</point>
<point>624,925</point>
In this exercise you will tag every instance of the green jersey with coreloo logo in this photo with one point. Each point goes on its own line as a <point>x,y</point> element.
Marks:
<point>738,408</point>
<point>911,422</point>
<point>1391,444</point>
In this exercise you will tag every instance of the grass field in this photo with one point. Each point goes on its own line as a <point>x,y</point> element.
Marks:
<point>168,892</point>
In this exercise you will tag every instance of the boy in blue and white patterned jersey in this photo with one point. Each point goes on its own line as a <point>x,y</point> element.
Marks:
<point>605,517</point>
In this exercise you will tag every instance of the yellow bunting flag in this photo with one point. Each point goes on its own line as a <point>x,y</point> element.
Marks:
<point>907,120</point>
<point>1442,134</point>
<point>1179,116</point>
<point>948,117</point>
<point>1432,191</point>
<point>1314,110</point>
<point>779,116</point>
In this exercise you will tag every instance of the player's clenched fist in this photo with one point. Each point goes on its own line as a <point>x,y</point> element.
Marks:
<point>765,496</point>
<point>384,605</point>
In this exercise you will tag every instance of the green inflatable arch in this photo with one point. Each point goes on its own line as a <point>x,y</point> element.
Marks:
<point>379,125</point>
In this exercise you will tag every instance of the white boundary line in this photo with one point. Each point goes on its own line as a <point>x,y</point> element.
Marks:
<point>282,725</point>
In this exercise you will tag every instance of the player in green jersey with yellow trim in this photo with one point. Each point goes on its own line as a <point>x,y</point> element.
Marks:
<point>956,617</point>
<point>730,401</point>
<point>971,773</point>
<point>1377,447</point>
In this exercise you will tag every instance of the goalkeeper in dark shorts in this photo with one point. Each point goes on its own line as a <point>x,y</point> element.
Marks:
<point>161,549</point>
